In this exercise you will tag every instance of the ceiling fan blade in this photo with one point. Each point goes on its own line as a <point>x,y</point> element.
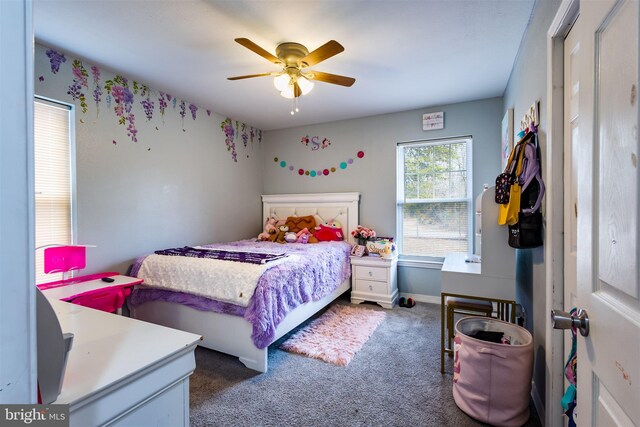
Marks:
<point>325,51</point>
<point>331,78</point>
<point>296,90</point>
<point>248,76</point>
<point>257,49</point>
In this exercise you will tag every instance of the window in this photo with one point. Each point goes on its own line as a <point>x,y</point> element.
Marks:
<point>434,202</point>
<point>53,180</point>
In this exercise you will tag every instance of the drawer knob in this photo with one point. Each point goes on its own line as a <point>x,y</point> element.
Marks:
<point>370,274</point>
<point>370,287</point>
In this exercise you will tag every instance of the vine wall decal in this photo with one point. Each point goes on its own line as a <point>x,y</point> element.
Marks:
<point>232,133</point>
<point>127,98</point>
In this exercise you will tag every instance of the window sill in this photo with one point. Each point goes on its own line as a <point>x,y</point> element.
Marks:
<point>420,263</point>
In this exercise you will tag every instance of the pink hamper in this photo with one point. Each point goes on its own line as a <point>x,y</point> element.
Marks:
<point>492,381</point>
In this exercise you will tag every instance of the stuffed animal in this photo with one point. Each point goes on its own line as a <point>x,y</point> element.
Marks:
<point>298,223</point>
<point>279,223</point>
<point>269,229</point>
<point>329,231</point>
<point>389,250</point>
<point>290,237</point>
<point>303,236</point>
<point>282,231</point>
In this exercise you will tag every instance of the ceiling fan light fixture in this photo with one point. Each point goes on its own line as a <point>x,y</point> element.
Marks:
<point>305,85</point>
<point>294,80</point>
<point>281,82</point>
<point>287,92</point>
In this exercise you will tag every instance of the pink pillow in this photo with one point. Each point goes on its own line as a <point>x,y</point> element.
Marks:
<point>325,233</point>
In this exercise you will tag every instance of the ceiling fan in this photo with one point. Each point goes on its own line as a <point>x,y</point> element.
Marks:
<point>295,59</point>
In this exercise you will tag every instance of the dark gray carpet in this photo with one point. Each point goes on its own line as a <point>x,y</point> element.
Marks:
<point>394,380</point>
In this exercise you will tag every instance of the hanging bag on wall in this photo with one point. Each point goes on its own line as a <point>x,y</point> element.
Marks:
<point>527,231</point>
<point>507,177</point>
<point>508,212</point>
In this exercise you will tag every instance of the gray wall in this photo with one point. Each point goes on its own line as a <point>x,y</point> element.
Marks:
<point>374,176</point>
<point>527,84</point>
<point>177,185</point>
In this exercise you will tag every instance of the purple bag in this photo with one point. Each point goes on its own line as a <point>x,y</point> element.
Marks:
<point>531,184</point>
<point>527,232</point>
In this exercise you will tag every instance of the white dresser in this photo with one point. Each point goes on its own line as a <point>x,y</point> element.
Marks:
<point>374,279</point>
<point>124,372</point>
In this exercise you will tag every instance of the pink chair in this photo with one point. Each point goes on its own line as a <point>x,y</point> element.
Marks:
<point>62,259</point>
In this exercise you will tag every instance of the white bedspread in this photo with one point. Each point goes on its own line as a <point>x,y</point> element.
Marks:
<point>227,281</point>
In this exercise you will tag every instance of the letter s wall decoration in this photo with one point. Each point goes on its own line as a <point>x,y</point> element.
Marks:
<point>315,142</point>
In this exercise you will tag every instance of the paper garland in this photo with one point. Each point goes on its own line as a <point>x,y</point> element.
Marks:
<point>319,172</point>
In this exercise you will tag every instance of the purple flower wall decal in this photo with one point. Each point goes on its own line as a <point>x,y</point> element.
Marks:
<point>127,95</point>
<point>80,80</point>
<point>97,91</point>
<point>229,140</point>
<point>55,58</point>
<point>148,106</point>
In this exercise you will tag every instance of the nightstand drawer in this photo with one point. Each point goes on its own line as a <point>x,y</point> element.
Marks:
<point>371,273</point>
<point>371,286</point>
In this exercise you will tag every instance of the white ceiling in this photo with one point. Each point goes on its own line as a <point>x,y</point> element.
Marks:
<point>404,54</point>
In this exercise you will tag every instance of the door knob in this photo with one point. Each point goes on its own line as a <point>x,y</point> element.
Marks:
<point>564,320</point>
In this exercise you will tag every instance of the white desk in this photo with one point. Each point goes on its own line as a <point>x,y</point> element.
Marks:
<point>468,280</point>
<point>124,372</point>
<point>76,289</point>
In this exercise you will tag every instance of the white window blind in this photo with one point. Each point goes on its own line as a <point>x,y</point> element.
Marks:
<point>53,174</point>
<point>434,203</point>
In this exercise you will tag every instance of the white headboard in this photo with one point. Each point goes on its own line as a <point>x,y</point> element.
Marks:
<point>342,207</point>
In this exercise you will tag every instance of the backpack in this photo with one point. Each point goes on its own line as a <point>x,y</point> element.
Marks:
<point>527,232</point>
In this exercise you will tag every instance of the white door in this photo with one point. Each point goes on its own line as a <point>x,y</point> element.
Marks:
<point>571,139</point>
<point>607,250</point>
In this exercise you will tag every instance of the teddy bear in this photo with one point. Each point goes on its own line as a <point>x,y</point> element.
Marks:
<point>282,231</point>
<point>329,231</point>
<point>269,229</point>
<point>279,223</point>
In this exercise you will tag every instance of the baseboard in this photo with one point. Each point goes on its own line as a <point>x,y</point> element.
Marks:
<point>430,299</point>
<point>537,402</point>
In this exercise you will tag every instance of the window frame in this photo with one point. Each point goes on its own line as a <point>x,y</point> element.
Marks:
<point>431,261</point>
<point>72,172</point>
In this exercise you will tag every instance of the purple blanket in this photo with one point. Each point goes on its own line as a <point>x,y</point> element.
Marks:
<point>314,273</point>
<point>237,256</point>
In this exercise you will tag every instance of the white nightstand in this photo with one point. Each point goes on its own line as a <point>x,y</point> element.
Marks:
<point>374,279</point>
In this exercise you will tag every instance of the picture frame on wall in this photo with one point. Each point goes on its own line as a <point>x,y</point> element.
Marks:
<point>507,137</point>
<point>433,121</point>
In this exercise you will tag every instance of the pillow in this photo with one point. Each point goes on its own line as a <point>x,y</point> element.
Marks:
<point>297,223</point>
<point>329,232</point>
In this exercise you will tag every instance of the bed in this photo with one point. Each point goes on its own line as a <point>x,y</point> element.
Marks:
<point>232,330</point>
